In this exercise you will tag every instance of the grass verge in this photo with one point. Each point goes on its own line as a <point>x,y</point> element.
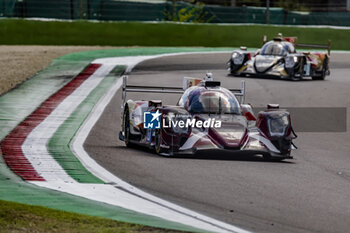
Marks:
<point>31,32</point>
<point>15,217</point>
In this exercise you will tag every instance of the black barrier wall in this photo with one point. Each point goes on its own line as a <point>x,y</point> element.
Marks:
<point>163,11</point>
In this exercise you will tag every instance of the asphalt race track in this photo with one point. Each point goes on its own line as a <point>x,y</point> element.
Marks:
<point>308,194</point>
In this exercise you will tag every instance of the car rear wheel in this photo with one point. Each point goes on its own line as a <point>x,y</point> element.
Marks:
<point>127,133</point>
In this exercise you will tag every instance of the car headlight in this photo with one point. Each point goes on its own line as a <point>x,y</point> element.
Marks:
<point>237,58</point>
<point>278,125</point>
<point>290,61</point>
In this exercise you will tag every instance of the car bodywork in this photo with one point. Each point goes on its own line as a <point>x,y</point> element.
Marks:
<point>280,58</point>
<point>269,134</point>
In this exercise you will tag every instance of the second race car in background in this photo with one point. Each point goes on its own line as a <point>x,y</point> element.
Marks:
<point>279,58</point>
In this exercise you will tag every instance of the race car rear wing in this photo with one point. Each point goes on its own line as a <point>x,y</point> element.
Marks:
<point>170,90</point>
<point>317,46</point>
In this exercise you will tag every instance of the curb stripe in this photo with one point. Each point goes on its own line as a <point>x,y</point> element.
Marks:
<point>35,145</point>
<point>58,145</point>
<point>11,145</point>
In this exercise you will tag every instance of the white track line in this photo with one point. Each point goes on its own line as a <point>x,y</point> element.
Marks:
<point>117,192</point>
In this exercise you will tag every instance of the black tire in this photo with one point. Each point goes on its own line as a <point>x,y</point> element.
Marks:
<point>233,70</point>
<point>158,141</point>
<point>323,72</point>
<point>127,133</point>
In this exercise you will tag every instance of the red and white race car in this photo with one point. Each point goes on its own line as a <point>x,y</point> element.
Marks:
<point>207,117</point>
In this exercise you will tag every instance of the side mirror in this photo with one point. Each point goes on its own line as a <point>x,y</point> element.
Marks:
<point>257,52</point>
<point>248,112</point>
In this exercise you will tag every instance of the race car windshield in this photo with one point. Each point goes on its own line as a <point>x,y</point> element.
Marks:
<point>213,102</point>
<point>277,48</point>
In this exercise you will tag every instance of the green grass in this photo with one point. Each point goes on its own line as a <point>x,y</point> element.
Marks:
<point>16,217</point>
<point>30,32</point>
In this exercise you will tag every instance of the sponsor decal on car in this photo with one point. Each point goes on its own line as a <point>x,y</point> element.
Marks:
<point>152,120</point>
<point>192,122</point>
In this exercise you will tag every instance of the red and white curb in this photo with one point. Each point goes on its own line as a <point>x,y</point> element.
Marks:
<point>39,167</point>
<point>11,146</point>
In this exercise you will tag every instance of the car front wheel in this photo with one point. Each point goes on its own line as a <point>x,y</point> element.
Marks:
<point>158,142</point>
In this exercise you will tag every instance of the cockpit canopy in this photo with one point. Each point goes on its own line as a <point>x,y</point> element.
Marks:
<point>216,100</point>
<point>277,48</point>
